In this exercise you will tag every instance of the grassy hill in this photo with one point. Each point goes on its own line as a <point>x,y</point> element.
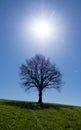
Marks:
<point>20,115</point>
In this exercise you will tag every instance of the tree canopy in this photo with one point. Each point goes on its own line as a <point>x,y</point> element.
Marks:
<point>38,72</point>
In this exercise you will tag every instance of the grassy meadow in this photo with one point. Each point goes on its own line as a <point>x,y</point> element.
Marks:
<point>21,115</point>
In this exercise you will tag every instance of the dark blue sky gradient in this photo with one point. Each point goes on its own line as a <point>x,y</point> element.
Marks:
<point>16,46</point>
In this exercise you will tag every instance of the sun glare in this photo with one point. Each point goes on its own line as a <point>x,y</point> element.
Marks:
<point>41,29</point>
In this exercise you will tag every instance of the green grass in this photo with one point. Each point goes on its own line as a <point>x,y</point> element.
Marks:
<point>20,115</point>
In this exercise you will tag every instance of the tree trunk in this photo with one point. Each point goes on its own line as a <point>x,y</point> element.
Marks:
<point>40,98</point>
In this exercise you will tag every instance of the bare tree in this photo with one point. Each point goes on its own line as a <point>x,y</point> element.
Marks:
<point>39,73</point>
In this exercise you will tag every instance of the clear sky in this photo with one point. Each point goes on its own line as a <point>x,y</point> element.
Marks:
<point>17,44</point>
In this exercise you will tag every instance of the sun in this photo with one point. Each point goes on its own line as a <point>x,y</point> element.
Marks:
<point>41,28</point>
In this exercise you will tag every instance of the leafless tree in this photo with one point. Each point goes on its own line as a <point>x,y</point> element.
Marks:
<point>39,73</point>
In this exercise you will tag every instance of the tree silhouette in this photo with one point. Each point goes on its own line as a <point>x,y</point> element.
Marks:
<point>39,73</point>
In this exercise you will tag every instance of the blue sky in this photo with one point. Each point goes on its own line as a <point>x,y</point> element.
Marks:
<point>16,46</point>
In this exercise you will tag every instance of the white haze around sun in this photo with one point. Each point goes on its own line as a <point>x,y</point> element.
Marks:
<point>41,29</point>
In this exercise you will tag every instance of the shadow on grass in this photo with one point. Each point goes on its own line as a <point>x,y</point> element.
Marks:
<point>34,105</point>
